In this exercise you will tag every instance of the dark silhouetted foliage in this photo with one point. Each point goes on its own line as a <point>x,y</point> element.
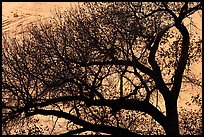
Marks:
<point>105,68</point>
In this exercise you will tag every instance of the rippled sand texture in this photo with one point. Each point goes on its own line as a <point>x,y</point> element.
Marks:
<point>15,15</point>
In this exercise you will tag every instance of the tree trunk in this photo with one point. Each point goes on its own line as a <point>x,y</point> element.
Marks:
<point>172,127</point>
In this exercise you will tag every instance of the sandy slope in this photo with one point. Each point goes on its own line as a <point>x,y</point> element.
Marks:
<point>18,14</point>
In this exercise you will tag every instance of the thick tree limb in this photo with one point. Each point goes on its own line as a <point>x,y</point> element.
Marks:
<point>183,59</point>
<point>89,126</point>
<point>185,46</point>
<point>132,104</point>
<point>135,63</point>
<point>128,104</point>
<point>156,69</point>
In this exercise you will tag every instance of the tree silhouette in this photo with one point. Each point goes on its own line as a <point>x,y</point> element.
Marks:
<point>101,66</point>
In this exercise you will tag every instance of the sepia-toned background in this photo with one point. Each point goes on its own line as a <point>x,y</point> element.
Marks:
<point>16,15</point>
